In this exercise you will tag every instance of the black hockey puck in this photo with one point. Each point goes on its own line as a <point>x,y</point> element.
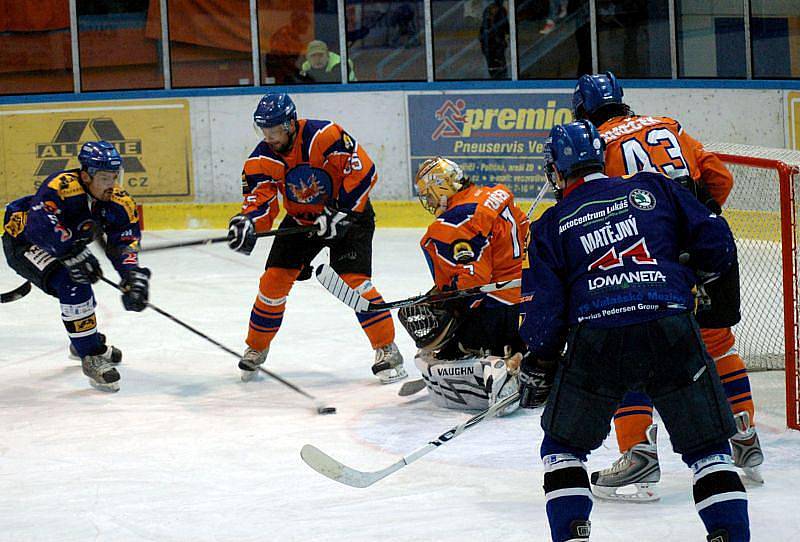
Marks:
<point>326,410</point>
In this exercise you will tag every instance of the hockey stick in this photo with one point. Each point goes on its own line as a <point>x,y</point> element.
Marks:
<point>537,199</point>
<point>339,472</point>
<point>272,233</point>
<point>17,293</point>
<point>411,387</point>
<point>321,408</point>
<point>350,297</point>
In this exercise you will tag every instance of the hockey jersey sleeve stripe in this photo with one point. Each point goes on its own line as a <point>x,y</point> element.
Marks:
<point>353,198</point>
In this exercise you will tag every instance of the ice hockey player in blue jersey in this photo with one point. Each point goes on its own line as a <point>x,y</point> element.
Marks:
<point>610,273</point>
<point>46,237</point>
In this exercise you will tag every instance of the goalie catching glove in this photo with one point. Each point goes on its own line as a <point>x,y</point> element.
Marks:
<point>535,381</point>
<point>136,288</point>
<point>429,324</point>
<point>242,234</point>
<point>333,224</point>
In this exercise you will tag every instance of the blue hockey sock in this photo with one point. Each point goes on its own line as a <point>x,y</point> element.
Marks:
<point>719,495</point>
<point>77,312</point>
<point>566,488</point>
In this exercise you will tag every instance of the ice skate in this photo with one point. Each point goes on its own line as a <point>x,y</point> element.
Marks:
<point>116,353</point>
<point>251,359</point>
<point>633,476</point>
<point>747,454</point>
<point>102,375</point>
<point>388,366</point>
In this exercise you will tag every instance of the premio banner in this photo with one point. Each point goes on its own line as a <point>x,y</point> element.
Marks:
<point>153,137</point>
<point>496,138</point>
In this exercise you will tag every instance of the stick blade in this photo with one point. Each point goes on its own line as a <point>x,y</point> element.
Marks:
<point>338,287</point>
<point>17,293</point>
<point>330,468</point>
<point>411,387</point>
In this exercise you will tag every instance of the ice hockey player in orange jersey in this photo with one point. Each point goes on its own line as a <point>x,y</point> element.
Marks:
<point>324,177</point>
<point>645,143</point>
<point>477,238</point>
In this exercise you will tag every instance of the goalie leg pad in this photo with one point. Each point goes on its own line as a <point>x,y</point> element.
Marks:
<point>454,384</point>
<point>501,381</point>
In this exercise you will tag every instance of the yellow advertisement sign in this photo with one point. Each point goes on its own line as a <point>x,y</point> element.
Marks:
<point>153,137</point>
<point>793,119</point>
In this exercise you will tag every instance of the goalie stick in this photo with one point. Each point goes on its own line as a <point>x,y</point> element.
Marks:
<point>350,297</point>
<point>272,233</point>
<point>339,472</point>
<point>17,293</point>
<point>320,407</point>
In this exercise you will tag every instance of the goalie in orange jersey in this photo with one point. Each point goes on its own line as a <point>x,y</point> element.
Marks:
<point>324,178</point>
<point>466,345</point>
<point>644,143</point>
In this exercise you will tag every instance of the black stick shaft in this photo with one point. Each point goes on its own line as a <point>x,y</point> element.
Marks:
<point>217,344</point>
<point>272,233</point>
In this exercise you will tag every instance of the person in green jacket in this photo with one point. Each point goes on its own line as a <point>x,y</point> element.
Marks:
<point>322,65</point>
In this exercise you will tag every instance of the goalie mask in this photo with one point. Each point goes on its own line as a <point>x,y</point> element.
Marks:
<point>430,326</point>
<point>437,180</point>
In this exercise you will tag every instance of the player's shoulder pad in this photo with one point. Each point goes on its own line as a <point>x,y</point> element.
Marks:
<point>66,184</point>
<point>123,202</point>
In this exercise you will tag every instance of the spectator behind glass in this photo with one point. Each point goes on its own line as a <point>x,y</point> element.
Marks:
<point>557,11</point>
<point>285,47</point>
<point>323,66</point>
<point>494,39</point>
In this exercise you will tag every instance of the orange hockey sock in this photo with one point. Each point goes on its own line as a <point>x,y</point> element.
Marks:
<point>631,420</point>
<point>720,344</point>
<point>378,326</point>
<point>267,313</point>
<point>736,383</point>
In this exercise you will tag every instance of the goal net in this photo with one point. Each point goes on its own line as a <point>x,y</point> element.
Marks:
<point>763,214</point>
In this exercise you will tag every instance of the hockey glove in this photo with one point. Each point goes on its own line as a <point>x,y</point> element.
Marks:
<point>135,289</point>
<point>333,224</point>
<point>698,188</point>
<point>242,234</point>
<point>82,266</point>
<point>535,381</point>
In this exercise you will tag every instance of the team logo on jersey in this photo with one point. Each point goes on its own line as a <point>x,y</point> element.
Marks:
<point>308,185</point>
<point>16,223</point>
<point>86,225</point>
<point>66,234</point>
<point>51,207</point>
<point>642,199</point>
<point>462,251</point>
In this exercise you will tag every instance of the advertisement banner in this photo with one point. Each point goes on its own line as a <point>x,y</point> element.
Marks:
<point>153,137</point>
<point>495,138</point>
<point>793,120</point>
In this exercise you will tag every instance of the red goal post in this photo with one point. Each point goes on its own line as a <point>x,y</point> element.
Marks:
<point>763,212</point>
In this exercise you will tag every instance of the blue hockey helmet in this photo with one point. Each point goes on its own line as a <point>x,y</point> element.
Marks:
<point>275,109</point>
<point>571,148</point>
<point>99,156</point>
<point>593,92</point>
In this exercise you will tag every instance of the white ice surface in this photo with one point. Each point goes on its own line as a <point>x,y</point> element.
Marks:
<point>185,451</point>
